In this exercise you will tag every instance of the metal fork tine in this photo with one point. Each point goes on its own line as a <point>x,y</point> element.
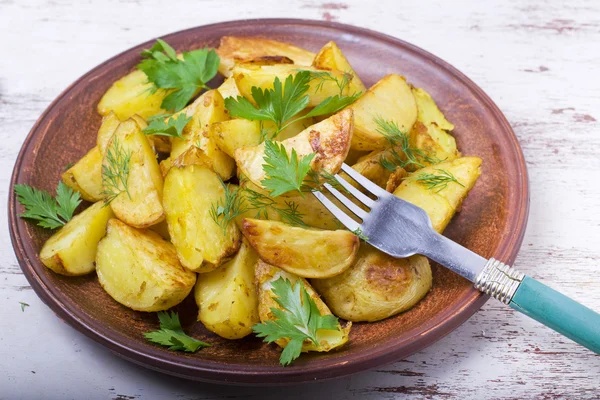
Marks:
<point>364,182</point>
<point>359,212</point>
<point>337,212</point>
<point>355,192</point>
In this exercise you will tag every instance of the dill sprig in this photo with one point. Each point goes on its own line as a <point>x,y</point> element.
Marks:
<point>409,156</point>
<point>227,209</point>
<point>435,182</point>
<point>358,232</point>
<point>115,171</point>
<point>263,203</point>
<point>324,76</point>
<point>315,180</point>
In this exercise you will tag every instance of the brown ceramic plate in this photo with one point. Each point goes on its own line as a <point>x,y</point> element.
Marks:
<point>491,223</point>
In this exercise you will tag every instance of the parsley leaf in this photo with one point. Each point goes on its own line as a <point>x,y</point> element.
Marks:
<point>171,334</point>
<point>299,319</point>
<point>183,77</point>
<point>284,173</point>
<point>332,105</point>
<point>39,205</point>
<point>173,127</point>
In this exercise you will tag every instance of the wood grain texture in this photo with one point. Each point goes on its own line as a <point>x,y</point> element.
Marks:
<point>538,62</point>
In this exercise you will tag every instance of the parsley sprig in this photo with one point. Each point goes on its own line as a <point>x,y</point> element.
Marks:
<point>172,127</point>
<point>284,173</point>
<point>171,334</point>
<point>283,102</point>
<point>437,182</point>
<point>183,77</point>
<point>40,206</point>
<point>299,319</point>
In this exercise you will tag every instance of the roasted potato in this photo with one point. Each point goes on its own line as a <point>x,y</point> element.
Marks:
<point>248,75</point>
<point>442,202</point>
<point>390,99</point>
<point>265,275</point>
<point>206,110</point>
<point>308,253</point>
<point>132,94</point>
<point>234,49</point>
<point>228,88</point>
<point>395,179</point>
<point>86,176</point>
<point>139,203</point>
<point>189,194</point>
<point>376,286</point>
<point>140,270</point>
<point>227,299</point>
<point>329,139</point>
<point>435,143</point>
<point>72,250</point>
<point>109,125</point>
<point>330,57</point>
<point>428,111</point>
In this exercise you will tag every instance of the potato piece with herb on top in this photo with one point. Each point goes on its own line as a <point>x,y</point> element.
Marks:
<point>140,270</point>
<point>190,193</point>
<point>330,57</point>
<point>131,178</point>
<point>85,176</point>
<point>226,297</point>
<point>72,250</point>
<point>308,253</point>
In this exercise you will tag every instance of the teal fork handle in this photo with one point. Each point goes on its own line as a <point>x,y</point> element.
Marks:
<point>557,311</point>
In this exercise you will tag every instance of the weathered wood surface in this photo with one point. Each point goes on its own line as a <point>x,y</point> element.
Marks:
<point>539,60</point>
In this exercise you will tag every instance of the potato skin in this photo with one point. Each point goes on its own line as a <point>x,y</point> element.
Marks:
<point>140,270</point>
<point>131,95</point>
<point>329,139</point>
<point>390,99</point>
<point>265,275</point>
<point>141,207</point>
<point>72,250</point>
<point>109,125</point>
<point>307,253</point>
<point>189,193</point>
<point>85,176</point>
<point>226,297</point>
<point>376,286</point>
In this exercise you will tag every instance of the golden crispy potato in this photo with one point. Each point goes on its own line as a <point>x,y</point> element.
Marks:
<point>307,253</point>
<point>441,203</point>
<point>389,99</point>
<point>205,110</point>
<point>235,133</point>
<point>86,176</point>
<point>370,167</point>
<point>395,179</point>
<point>234,49</point>
<point>72,250</point>
<point>428,111</point>
<point>228,88</point>
<point>109,125</point>
<point>265,275</point>
<point>227,299</point>
<point>140,270</point>
<point>330,57</point>
<point>248,75</point>
<point>376,286</point>
<point>132,95</point>
<point>329,139</point>
<point>434,142</point>
<point>189,194</point>
<point>140,205</point>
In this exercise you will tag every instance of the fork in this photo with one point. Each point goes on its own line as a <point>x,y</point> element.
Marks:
<point>402,229</point>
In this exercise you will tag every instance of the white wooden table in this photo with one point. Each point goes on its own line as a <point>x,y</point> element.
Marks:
<point>538,60</point>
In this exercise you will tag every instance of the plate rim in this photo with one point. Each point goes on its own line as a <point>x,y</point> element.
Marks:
<point>218,372</point>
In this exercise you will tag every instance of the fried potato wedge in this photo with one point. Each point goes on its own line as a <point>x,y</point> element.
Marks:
<point>330,57</point>
<point>329,139</point>
<point>109,125</point>
<point>267,274</point>
<point>307,253</point>
<point>132,94</point>
<point>72,250</point>
<point>436,143</point>
<point>189,194</point>
<point>86,176</point>
<point>140,270</point>
<point>234,49</point>
<point>228,88</point>
<point>428,111</point>
<point>140,205</point>
<point>204,111</point>
<point>227,299</point>
<point>376,286</point>
<point>390,99</point>
<point>441,203</point>
<point>322,86</point>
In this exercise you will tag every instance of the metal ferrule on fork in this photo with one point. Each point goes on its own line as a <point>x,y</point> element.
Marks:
<point>499,280</point>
